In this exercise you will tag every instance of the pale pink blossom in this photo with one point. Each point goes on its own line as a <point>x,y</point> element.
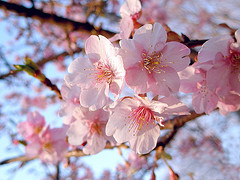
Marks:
<point>224,54</point>
<point>98,74</point>
<point>31,128</point>
<point>89,128</point>
<point>229,103</point>
<point>130,8</point>
<point>151,63</point>
<point>137,119</point>
<point>194,81</point>
<point>71,101</point>
<point>51,145</point>
<point>130,11</point>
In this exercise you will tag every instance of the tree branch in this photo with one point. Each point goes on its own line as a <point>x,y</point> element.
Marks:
<point>75,153</point>
<point>42,62</point>
<point>180,120</point>
<point>64,23</point>
<point>174,124</point>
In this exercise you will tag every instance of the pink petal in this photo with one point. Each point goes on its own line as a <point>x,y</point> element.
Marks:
<point>157,106</point>
<point>237,35</point>
<point>235,81</point>
<point>175,107</point>
<point>116,87</point>
<point>77,133</point>
<point>117,121</point>
<point>218,79</point>
<point>95,97</point>
<point>33,149</point>
<point>99,47</point>
<point>204,104</point>
<point>95,144</point>
<point>159,37</point>
<point>212,47</point>
<point>146,142</point>
<point>167,78</point>
<point>175,55</point>
<point>123,134</point>
<point>144,36</point>
<point>49,157</point>
<point>79,64</point>
<point>189,80</point>
<point>80,73</point>
<point>130,53</point>
<point>136,79</point>
<point>130,7</point>
<point>126,27</point>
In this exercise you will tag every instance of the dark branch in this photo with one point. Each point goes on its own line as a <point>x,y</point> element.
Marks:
<point>75,153</point>
<point>64,23</point>
<point>42,62</point>
<point>180,120</point>
<point>195,43</point>
<point>174,124</point>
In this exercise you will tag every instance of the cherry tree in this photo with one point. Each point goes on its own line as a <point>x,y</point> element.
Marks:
<point>158,81</point>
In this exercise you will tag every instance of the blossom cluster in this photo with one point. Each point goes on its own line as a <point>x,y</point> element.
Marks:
<point>215,79</point>
<point>148,64</point>
<point>156,68</point>
<point>49,144</point>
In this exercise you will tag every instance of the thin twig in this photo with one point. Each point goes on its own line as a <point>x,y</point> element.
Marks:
<point>42,62</point>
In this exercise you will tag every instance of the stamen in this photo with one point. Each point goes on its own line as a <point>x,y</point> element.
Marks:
<point>235,59</point>
<point>47,147</point>
<point>154,62</point>
<point>102,73</point>
<point>95,127</point>
<point>141,117</point>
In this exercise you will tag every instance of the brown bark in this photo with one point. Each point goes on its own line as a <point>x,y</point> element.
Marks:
<point>42,62</point>
<point>174,124</point>
<point>64,23</point>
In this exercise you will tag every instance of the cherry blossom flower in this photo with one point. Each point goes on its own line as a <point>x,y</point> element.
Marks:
<point>31,128</point>
<point>224,54</point>
<point>194,81</point>
<point>229,103</point>
<point>151,63</point>
<point>71,101</point>
<point>89,127</point>
<point>136,120</point>
<point>131,8</point>
<point>96,75</point>
<point>50,146</point>
<point>130,11</point>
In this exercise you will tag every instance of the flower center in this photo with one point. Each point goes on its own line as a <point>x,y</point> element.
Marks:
<point>75,101</point>
<point>153,62</point>
<point>141,117</point>
<point>47,147</point>
<point>202,88</point>
<point>95,127</point>
<point>103,73</point>
<point>235,59</point>
<point>37,129</point>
